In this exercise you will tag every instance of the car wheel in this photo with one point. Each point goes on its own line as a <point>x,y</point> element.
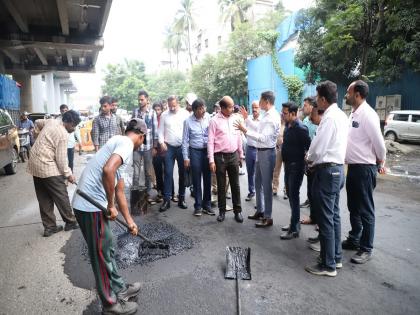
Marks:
<point>391,136</point>
<point>11,168</point>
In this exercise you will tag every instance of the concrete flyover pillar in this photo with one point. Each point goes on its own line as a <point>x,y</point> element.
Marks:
<point>25,91</point>
<point>49,82</point>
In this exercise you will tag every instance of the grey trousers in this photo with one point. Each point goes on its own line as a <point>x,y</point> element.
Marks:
<point>50,191</point>
<point>147,158</point>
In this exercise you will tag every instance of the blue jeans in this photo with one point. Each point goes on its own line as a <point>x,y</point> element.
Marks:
<point>294,172</point>
<point>327,183</point>
<point>361,181</point>
<point>250,159</point>
<point>264,168</point>
<point>173,153</point>
<point>199,164</point>
<point>70,157</point>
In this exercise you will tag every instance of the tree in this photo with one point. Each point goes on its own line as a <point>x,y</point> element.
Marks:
<point>349,39</point>
<point>184,23</point>
<point>173,43</point>
<point>169,82</point>
<point>235,11</point>
<point>124,80</point>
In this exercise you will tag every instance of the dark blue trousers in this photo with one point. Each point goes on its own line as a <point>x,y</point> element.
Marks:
<point>360,183</point>
<point>199,163</point>
<point>173,153</point>
<point>294,172</point>
<point>327,183</point>
<point>250,159</point>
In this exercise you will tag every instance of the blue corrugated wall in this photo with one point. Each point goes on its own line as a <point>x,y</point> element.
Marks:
<point>9,94</point>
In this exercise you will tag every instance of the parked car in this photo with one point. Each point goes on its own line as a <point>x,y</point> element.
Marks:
<point>403,125</point>
<point>35,116</point>
<point>9,143</point>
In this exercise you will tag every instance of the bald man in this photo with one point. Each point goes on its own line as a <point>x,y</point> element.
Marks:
<point>226,155</point>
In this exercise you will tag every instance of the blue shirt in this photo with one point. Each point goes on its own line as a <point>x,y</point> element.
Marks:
<point>196,134</point>
<point>26,124</point>
<point>311,127</point>
<point>91,180</point>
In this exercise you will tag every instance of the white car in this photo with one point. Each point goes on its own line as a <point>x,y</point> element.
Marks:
<point>403,125</point>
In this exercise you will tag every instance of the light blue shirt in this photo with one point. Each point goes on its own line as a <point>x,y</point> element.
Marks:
<point>195,135</point>
<point>311,126</point>
<point>91,180</point>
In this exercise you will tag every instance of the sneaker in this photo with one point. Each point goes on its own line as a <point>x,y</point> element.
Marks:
<point>338,264</point>
<point>50,231</point>
<point>349,244</point>
<point>289,235</point>
<point>71,226</point>
<point>131,292</point>
<point>121,307</point>
<point>249,197</point>
<point>285,228</point>
<point>197,212</point>
<point>209,211</point>
<point>175,198</point>
<point>315,246</point>
<point>319,270</point>
<point>312,240</point>
<point>306,204</point>
<point>361,257</point>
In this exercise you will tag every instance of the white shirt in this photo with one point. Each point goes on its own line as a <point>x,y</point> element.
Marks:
<point>330,141</point>
<point>365,144</point>
<point>252,123</point>
<point>268,130</point>
<point>171,126</point>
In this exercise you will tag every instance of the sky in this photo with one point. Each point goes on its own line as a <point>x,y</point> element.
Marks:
<point>135,30</point>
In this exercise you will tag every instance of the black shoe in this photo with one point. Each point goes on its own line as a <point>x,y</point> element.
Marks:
<point>221,217</point>
<point>50,231</point>
<point>256,216</point>
<point>361,257</point>
<point>275,194</point>
<point>182,204</point>
<point>71,226</point>
<point>238,217</point>
<point>289,235</point>
<point>313,240</point>
<point>349,244</point>
<point>249,197</point>
<point>166,204</point>
<point>306,204</point>
<point>265,223</point>
<point>209,211</point>
<point>197,212</point>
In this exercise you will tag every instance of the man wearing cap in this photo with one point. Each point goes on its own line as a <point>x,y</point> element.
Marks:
<point>25,123</point>
<point>102,180</point>
<point>49,168</point>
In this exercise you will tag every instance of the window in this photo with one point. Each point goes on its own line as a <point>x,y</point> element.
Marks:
<point>4,120</point>
<point>400,117</point>
<point>415,118</point>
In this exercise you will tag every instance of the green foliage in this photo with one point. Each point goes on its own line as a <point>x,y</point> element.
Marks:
<point>235,11</point>
<point>124,81</point>
<point>347,39</point>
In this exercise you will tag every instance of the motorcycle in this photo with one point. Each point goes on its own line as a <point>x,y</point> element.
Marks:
<point>25,144</point>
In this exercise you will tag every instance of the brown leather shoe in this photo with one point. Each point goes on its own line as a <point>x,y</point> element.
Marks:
<point>256,216</point>
<point>264,223</point>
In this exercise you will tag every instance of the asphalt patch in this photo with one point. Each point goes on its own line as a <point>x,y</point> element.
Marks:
<point>127,246</point>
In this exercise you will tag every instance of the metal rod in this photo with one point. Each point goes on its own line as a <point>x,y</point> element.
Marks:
<point>238,295</point>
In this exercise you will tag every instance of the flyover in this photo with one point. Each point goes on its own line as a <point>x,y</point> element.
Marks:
<point>43,41</point>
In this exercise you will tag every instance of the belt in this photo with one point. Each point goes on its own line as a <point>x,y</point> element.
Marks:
<point>199,149</point>
<point>325,165</point>
<point>251,147</point>
<point>264,149</point>
<point>225,153</point>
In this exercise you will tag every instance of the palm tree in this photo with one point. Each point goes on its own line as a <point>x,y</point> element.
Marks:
<point>173,43</point>
<point>184,23</point>
<point>235,11</point>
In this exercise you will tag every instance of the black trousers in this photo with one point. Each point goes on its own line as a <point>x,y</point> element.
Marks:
<point>50,191</point>
<point>228,163</point>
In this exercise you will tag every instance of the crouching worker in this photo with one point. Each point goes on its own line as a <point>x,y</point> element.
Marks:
<point>102,180</point>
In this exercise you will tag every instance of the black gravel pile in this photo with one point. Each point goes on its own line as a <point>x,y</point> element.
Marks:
<point>127,246</point>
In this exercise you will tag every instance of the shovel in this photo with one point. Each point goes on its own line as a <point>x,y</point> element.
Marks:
<point>152,247</point>
<point>238,266</point>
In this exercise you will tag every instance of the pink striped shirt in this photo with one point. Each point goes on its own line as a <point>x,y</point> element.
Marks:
<point>223,136</point>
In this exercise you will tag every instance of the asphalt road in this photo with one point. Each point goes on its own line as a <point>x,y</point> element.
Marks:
<point>51,276</point>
